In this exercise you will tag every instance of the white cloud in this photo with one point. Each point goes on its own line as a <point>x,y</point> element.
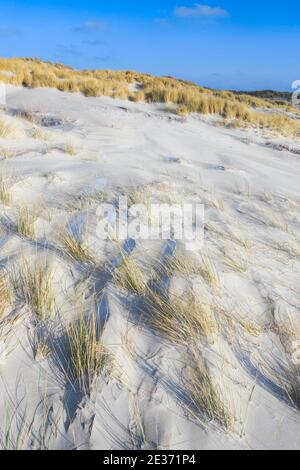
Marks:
<point>5,32</point>
<point>94,42</point>
<point>71,49</point>
<point>161,21</point>
<point>201,11</point>
<point>91,26</point>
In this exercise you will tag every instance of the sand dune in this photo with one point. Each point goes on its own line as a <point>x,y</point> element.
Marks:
<point>143,344</point>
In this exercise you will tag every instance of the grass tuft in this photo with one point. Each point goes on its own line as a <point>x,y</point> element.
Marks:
<point>33,285</point>
<point>6,129</point>
<point>86,356</point>
<point>129,276</point>
<point>25,223</point>
<point>181,321</point>
<point>5,293</point>
<point>209,271</point>
<point>204,396</point>
<point>74,247</point>
<point>5,192</point>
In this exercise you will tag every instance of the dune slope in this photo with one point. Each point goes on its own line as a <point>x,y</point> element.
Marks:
<point>142,344</point>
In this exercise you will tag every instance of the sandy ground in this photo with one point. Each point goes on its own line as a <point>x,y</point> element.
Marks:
<point>85,150</point>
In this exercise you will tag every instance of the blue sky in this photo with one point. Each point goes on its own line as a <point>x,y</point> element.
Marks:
<point>219,43</point>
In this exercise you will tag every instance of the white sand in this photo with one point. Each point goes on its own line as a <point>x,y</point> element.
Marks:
<point>123,145</point>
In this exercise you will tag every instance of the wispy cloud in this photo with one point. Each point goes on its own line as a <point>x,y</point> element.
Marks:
<point>161,21</point>
<point>91,26</point>
<point>94,42</point>
<point>105,58</point>
<point>71,49</point>
<point>201,11</point>
<point>7,32</point>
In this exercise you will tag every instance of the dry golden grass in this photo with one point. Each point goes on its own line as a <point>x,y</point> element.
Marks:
<point>141,195</point>
<point>25,223</point>
<point>41,346</point>
<point>291,248</point>
<point>238,236</point>
<point>239,110</point>
<point>74,246</point>
<point>214,229</point>
<point>181,321</point>
<point>288,327</point>
<point>6,129</point>
<point>70,149</point>
<point>188,266</point>
<point>33,285</point>
<point>15,432</point>
<point>6,153</point>
<point>183,264</point>
<point>270,218</point>
<point>138,96</point>
<point>229,232</point>
<point>205,399</point>
<point>39,134</point>
<point>19,429</point>
<point>209,271</point>
<point>215,201</point>
<point>86,356</point>
<point>137,429</point>
<point>5,293</point>
<point>129,275</point>
<point>236,324</point>
<point>5,191</point>
<point>235,258</point>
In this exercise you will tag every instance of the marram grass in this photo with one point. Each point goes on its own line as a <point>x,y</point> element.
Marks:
<point>241,110</point>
